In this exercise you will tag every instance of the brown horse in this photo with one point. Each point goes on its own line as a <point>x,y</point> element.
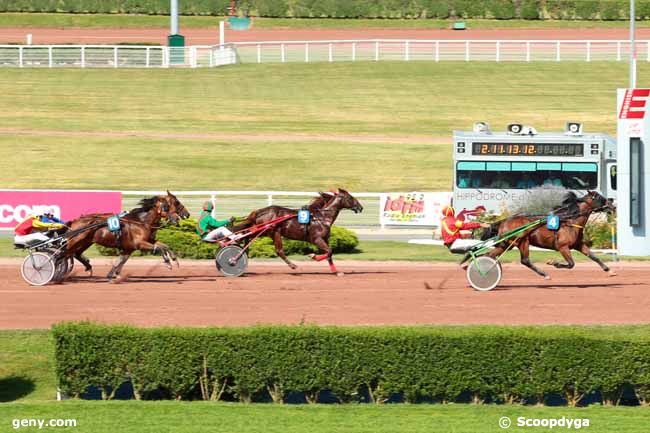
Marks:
<point>138,231</point>
<point>324,210</point>
<point>574,214</point>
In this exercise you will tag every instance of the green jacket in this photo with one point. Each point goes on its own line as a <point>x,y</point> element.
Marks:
<point>206,223</point>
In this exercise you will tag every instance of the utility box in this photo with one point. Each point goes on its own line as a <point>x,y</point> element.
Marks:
<point>176,44</point>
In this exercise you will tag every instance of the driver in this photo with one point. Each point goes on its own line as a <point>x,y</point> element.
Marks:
<point>32,228</point>
<point>451,226</point>
<point>210,229</point>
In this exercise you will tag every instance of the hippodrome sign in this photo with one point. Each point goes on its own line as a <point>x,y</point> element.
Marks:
<point>633,134</point>
<point>15,205</point>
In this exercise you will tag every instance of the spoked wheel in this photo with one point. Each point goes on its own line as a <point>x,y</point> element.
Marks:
<point>484,273</point>
<point>232,261</point>
<point>38,269</point>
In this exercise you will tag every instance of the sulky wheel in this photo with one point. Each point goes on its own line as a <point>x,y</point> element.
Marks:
<point>38,269</point>
<point>484,273</point>
<point>232,261</point>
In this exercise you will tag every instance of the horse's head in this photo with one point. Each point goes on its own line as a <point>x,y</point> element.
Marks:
<point>347,201</point>
<point>597,202</point>
<point>171,208</point>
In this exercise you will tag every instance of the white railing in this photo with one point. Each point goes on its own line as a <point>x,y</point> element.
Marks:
<point>196,56</point>
<point>439,50</point>
<point>240,203</point>
<point>114,56</point>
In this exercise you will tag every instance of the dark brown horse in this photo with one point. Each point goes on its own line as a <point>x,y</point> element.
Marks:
<point>138,231</point>
<point>574,214</point>
<point>324,210</point>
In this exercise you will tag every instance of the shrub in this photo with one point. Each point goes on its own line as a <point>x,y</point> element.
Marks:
<point>486,363</point>
<point>529,9</point>
<point>184,241</point>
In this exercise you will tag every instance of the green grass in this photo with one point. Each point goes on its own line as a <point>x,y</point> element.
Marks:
<point>180,122</point>
<point>178,417</point>
<point>58,20</point>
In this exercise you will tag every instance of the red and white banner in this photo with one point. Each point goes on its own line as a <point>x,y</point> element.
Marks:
<point>15,206</point>
<point>413,208</point>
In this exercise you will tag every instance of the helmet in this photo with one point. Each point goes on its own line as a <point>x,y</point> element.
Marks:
<point>448,211</point>
<point>207,206</point>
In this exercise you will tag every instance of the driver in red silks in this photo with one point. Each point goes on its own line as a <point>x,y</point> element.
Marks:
<point>451,226</point>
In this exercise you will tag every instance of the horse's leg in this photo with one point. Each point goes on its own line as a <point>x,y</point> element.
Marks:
<point>566,253</point>
<point>324,246</point>
<point>115,271</point>
<point>584,249</point>
<point>279,249</point>
<point>84,261</point>
<point>523,246</point>
<point>167,254</point>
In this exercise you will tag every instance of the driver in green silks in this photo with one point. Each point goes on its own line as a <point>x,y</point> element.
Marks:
<point>210,229</point>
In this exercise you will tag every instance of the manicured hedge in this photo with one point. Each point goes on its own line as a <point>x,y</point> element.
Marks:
<point>499,9</point>
<point>184,241</point>
<point>413,364</point>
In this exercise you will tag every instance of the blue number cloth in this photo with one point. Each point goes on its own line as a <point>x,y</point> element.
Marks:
<point>303,216</point>
<point>113,223</point>
<point>552,222</point>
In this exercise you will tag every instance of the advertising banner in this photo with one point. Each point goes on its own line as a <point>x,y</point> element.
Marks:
<point>413,208</point>
<point>15,206</point>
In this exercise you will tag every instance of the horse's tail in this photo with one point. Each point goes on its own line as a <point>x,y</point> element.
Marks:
<point>246,223</point>
<point>491,231</point>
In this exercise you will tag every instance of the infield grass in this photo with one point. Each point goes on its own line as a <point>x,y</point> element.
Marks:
<point>365,126</point>
<point>59,20</point>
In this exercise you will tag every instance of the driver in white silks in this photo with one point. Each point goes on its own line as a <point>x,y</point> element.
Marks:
<point>451,226</point>
<point>210,229</point>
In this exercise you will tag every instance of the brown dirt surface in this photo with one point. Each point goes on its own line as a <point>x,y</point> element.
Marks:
<point>211,36</point>
<point>379,293</point>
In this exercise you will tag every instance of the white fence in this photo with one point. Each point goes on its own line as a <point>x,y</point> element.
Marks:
<point>439,50</point>
<point>126,56</point>
<point>240,203</point>
<point>114,56</point>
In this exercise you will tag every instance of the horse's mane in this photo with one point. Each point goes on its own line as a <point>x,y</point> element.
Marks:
<point>569,205</point>
<point>146,204</point>
<point>319,202</point>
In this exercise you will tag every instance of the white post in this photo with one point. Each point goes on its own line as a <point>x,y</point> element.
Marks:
<point>648,51</point>
<point>29,38</point>
<point>354,51</point>
<point>467,51</point>
<point>115,56</point>
<point>174,17</point>
<point>306,51</point>
<point>269,199</point>
<point>498,56</point>
<point>193,60</point>
<point>222,34</point>
<point>259,53</point>
<point>632,46</point>
<point>437,53</point>
<point>407,55</point>
<point>528,51</point>
<point>83,56</point>
<point>618,51</point>
<point>589,51</point>
<point>376,51</point>
<point>147,57</point>
<point>49,56</point>
<point>20,56</point>
<point>557,51</point>
<point>282,52</point>
<point>329,52</point>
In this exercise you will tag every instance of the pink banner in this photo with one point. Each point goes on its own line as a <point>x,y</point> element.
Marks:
<point>15,206</point>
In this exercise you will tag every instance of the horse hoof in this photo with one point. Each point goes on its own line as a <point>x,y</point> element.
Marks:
<point>293,267</point>
<point>546,277</point>
<point>89,272</point>
<point>612,274</point>
<point>312,256</point>
<point>340,274</point>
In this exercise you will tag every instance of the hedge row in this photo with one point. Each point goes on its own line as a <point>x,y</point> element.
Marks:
<point>499,9</point>
<point>413,364</point>
<point>184,241</point>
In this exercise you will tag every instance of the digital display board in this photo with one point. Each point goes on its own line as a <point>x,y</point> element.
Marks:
<point>529,149</point>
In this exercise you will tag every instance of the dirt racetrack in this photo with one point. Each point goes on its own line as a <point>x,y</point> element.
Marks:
<point>369,293</point>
